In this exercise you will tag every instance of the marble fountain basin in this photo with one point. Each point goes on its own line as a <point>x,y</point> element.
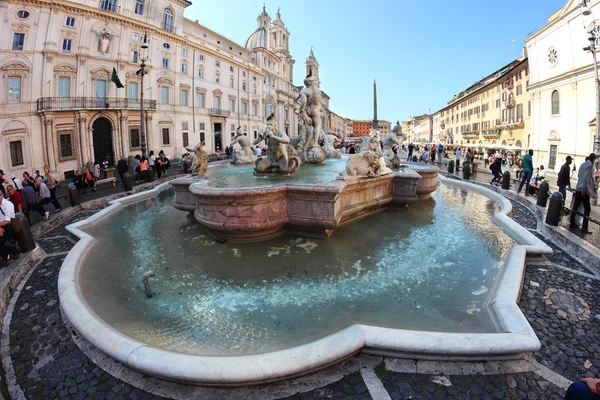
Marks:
<point>439,278</point>
<point>228,199</point>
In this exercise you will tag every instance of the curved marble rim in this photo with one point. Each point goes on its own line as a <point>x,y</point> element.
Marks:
<point>516,334</point>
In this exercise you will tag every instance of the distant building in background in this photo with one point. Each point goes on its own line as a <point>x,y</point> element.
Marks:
<point>563,120</point>
<point>361,127</point>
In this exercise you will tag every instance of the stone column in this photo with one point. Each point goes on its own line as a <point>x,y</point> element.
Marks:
<point>50,144</point>
<point>149,136</point>
<point>124,137</point>
<point>83,140</point>
<point>78,139</point>
<point>91,145</point>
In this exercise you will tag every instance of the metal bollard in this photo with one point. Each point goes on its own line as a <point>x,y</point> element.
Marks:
<point>23,232</point>
<point>73,196</point>
<point>554,209</point>
<point>149,175</point>
<point>466,171</point>
<point>543,194</point>
<point>415,159</point>
<point>127,185</point>
<point>451,166</point>
<point>506,180</point>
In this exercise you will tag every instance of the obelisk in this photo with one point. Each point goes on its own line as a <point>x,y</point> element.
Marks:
<point>375,123</point>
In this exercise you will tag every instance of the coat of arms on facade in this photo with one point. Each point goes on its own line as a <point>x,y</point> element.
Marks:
<point>104,40</point>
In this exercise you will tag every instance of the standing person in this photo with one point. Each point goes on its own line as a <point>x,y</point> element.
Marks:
<point>433,153</point>
<point>584,191</point>
<point>27,179</point>
<point>37,173</point>
<point>151,160</point>
<point>440,150</point>
<point>564,178</point>
<point>486,159</point>
<point>52,184</point>
<point>122,167</point>
<point>526,172</point>
<point>30,201</point>
<point>411,148</point>
<point>44,198</point>
<point>15,198</point>
<point>496,169</point>
<point>468,156</point>
<point>458,153</point>
<point>2,182</point>
<point>230,151</point>
<point>227,152</point>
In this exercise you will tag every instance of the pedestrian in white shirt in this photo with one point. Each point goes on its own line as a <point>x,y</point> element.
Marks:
<point>458,153</point>
<point>584,191</point>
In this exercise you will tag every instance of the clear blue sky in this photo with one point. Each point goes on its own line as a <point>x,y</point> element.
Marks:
<point>420,52</point>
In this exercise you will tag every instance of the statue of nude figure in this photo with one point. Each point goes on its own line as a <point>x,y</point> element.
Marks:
<point>277,160</point>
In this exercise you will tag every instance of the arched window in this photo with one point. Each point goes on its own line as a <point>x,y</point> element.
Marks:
<point>555,103</point>
<point>168,20</point>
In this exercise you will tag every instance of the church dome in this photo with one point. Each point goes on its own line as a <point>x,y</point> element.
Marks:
<point>259,37</point>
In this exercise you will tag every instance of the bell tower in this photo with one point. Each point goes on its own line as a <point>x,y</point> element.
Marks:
<point>312,65</point>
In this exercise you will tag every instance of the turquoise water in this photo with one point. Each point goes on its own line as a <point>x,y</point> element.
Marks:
<point>426,267</point>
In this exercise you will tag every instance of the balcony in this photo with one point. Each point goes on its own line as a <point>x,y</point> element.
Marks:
<point>109,5</point>
<point>492,134</point>
<point>510,103</point>
<point>470,135</point>
<point>168,27</point>
<point>217,112</point>
<point>442,126</point>
<point>512,124</point>
<point>91,103</point>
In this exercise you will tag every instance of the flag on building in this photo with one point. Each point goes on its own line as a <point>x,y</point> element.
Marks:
<point>115,79</point>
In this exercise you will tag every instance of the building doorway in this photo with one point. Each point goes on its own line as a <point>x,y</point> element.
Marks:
<point>552,159</point>
<point>218,130</point>
<point>103,145</point>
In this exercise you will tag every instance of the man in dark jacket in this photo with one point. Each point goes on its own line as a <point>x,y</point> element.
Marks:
<point>564,178</point>
<point>122,167</point>
<point>496,168</point>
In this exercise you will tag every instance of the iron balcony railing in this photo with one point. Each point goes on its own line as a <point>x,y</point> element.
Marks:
<point>109,5</point>
<point>168,27</point>
<point>89,103</point>
<point>218,112</point>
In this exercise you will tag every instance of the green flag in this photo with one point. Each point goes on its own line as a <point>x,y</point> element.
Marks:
<point>115,79</point>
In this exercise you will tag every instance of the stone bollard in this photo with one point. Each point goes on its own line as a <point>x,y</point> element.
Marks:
<point>415,159</point>
<point>23,232</point>
<point>451,166</point>
<point>506,180</point>
<point>127,185</point>
<point>543,194</point>
<point>130,165</point>
<point>466,171</point>
<point>73,196</point>
<point>149,175</point>
<point>554,209</point>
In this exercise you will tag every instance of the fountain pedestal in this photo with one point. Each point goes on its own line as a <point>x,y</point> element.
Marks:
<point>261,212</point>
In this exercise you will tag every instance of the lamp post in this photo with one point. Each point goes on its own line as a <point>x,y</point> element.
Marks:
<point>592,49</point>
<point>141,72</point>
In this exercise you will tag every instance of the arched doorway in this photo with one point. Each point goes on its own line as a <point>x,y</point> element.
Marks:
<point>103,145</point>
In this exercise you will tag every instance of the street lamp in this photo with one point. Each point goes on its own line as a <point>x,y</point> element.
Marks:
<point>141,72</point>
<point>592,49</point>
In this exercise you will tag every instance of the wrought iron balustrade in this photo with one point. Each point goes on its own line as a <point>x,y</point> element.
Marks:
<point>218,112</point>
<point>91,103</point>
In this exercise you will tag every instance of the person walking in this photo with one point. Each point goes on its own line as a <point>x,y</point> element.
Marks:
<point>52,184</point>
<point>411,148</point>
<point>45,198</point>
<point>526,172</point>
<point>584,191</point>
<point>433,153</point>
<point>440,150</point>
<point>458,153</point>
<point>564,178</point>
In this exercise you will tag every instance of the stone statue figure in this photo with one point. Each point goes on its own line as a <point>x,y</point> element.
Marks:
<point>104,42</point>
<point>397,128</point>
<point>246,156</point>
<point>199,159</point>
<point>369,163</point>
<point>330,142</point>
<point>310,113</point>
<point>392,160</point>
<point>277,160</point>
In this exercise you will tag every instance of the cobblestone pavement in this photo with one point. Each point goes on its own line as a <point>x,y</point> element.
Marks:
<point>561,306</point>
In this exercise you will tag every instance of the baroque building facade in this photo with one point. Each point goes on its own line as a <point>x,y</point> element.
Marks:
<point>58,106</point>
<point>562,88</point>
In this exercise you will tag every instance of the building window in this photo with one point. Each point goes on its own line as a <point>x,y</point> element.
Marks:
<point>66,46</point>
<point>16,153</point>
<point>134,56</point>
<point>22,14</point>
<point>65,145</point>
<point>245,108</point>
<point>139,7</point>
<point>217,63</point>
<point>217,77</point>
<point>165,136</point>
<point>132,91</point>
<point>134,137</point>
<point>519,112</point>
<point>184,68</point>
<point>164,95</point>
<point>201,57</point>
<point>254,89</point>
<point>552,55</point>
<point>254,110</point>
<point>18,40</point>
<point>186,141</point>
<point>64,87</point>
<point>244,74</point>
<point>232,105</point>
<point>166,46</point>
<point>244,86</point>
<point>167,23</point>
<point>184,98</point>
<point>108,5</point>
<point>529,108</point>
<point>519,90</point>
<point>201,100</point>
<point>165,63</point>
<point>231,82</point>
<point>230,68</point>
<point>218,103</point>
<point>14,89</point>
<point>70,21</point>
<point>200,73</point>
<point>202,137</point>
<point>184,125</point>
<point>201,126</point>
<point>555,103</point>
